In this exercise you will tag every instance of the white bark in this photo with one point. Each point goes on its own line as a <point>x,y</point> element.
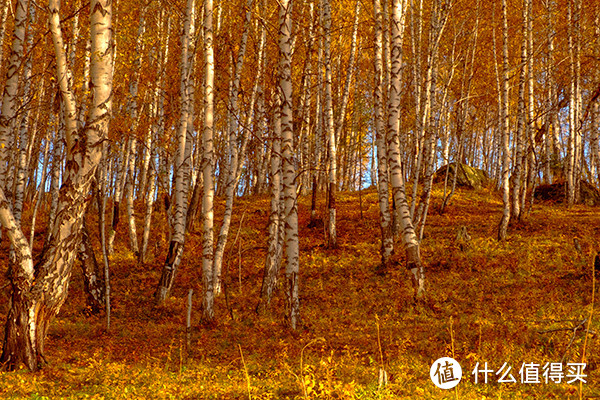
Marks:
<point>273,258</point>
<point>503,228</point>
<point>288,166</point>
<point>235,157</point>
<point>133,240</point>
<point>329,126</point>
<point>208,164</point>
<point>9,97</point>
<point>4,11</point>
<point>387,238</point>
<point>520,134</point>
<point>409,238</point>
<point>181,169</point>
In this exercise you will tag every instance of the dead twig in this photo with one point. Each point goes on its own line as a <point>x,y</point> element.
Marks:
<point>579,327</point>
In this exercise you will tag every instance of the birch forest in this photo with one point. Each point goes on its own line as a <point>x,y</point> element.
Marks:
<point>299,199</point>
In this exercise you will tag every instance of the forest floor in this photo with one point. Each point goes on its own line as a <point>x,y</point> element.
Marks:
<point>513,302</point>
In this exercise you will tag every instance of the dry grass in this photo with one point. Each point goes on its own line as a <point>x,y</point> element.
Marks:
<point>499,296</point>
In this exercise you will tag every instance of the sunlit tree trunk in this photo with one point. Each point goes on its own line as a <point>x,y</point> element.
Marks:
<point>387,237</point>
<point>235,157</point>
<point>574,150</point>
<point>330,127</point>
<point>25,133</point>
<point>409,238</point>
<point>503,227</point>
<point>181,169</point>
<point>274,246</point>
<point>120,181</point>
<point>158,129</point>
<point>289,171</point>
<point>532,159</point>
<point>439,18</point>
<point>550,156</point>
<point>4,11</point>
<point>41,188</point>
<point>132,230</point>
<point>208,164</point>
<point>134,114</point>
<point>35,303</point>
<point>521,133</point>
<point>9,96</point>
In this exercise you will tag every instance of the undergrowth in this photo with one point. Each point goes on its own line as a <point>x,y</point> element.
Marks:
<point>517,302</point>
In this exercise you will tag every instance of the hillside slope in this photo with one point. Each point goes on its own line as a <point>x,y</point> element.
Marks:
<point>515,302</point>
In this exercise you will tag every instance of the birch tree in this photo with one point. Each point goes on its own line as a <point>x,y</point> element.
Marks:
<point>329,126</point>
<point>520,134</point>
<point>208,164</point>
<point>503,227</point>
<point>387,237</point>
<point>288,167</point>
<point>181,161</point>
<point>409,237</point>
<point>9,96</point>
<point>35,301</point>
<point>235,157</point>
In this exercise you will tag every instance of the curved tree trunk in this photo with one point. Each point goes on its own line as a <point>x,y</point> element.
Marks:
<point>36,302</point>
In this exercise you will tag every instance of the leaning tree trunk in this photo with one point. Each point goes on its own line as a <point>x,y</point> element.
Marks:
<point>235,155</point>
<point>409,238</point>
<point>36,302</point>
<point>167,279</point>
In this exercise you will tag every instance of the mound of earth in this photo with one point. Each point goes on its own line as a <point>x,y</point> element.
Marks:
<point>557,192</point>
<point>469,177</point>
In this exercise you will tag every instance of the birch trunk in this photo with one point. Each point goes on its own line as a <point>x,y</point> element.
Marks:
<point>208,164</point>
<point>329,124</point>
<point>574,150</point>
<point>503,227</point>
<point>235,157</point>
<point>129,206</point>
<point>120,181</point>
<point>288,167</point>
<point>4,10</point>
<point>521,133</point>
<point>93,277</point>
<point>550,156</point>
<point>35,303</point>
<point>180,188</point>
<point>438,22</point>
<point>273,258</point>
<point>9,96</point>
<point>409,238</point>
<point>39,193</point>
<point>387,236</point>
